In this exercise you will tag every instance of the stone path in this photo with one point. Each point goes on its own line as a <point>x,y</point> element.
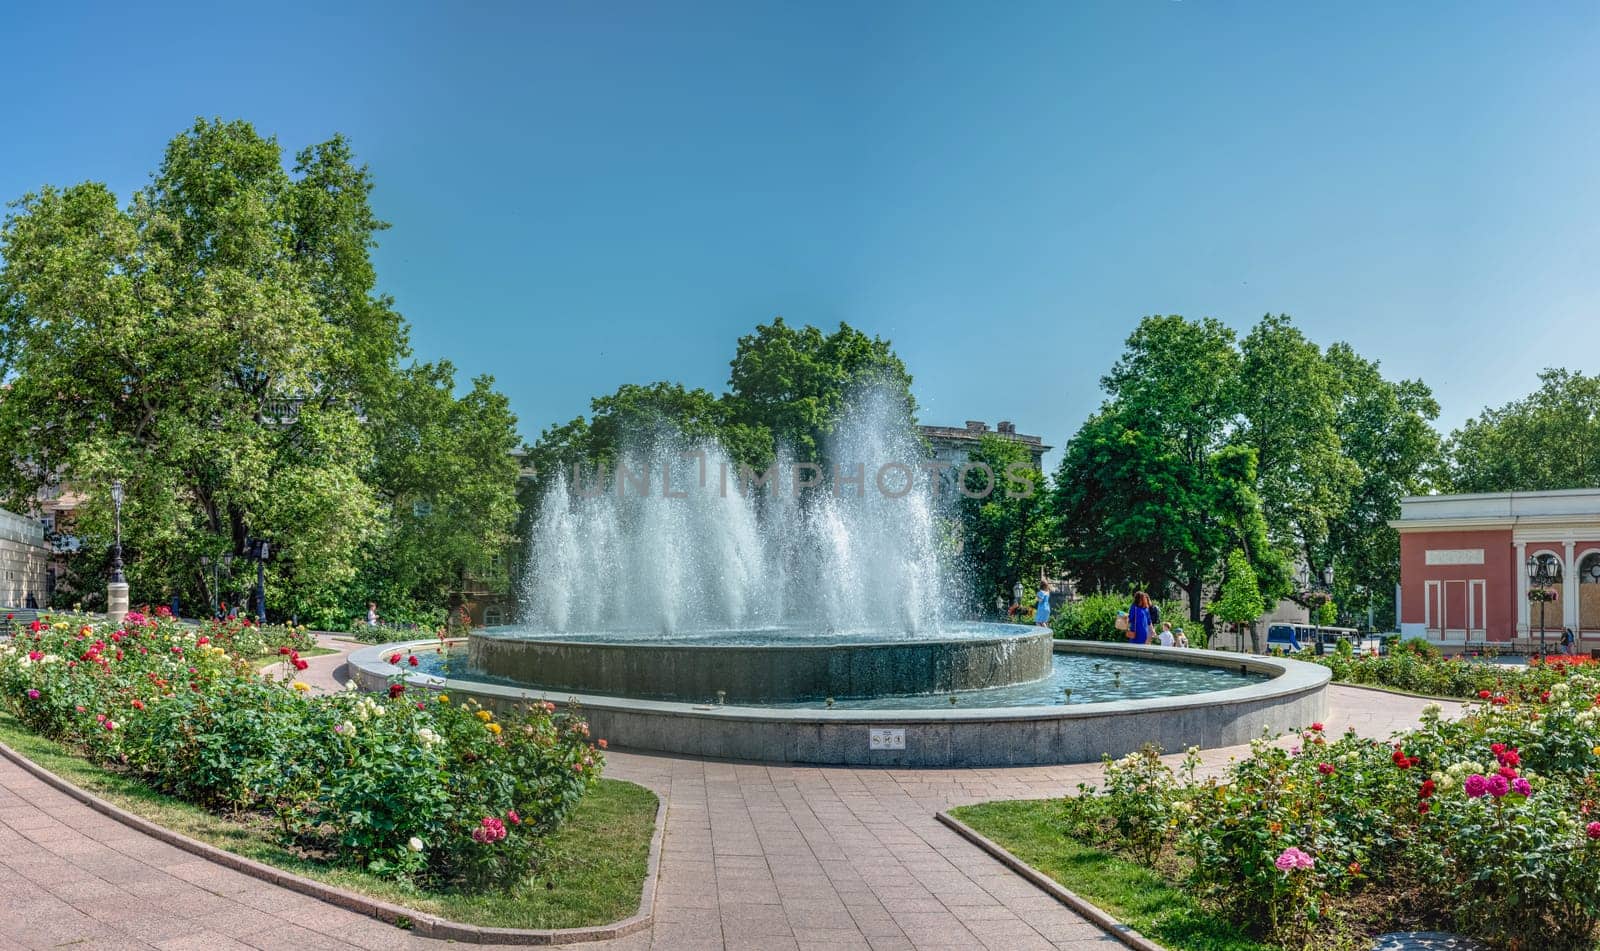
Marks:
<point>754,856</point>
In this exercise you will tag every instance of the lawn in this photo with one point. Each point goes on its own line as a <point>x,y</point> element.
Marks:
<point>1034,831</point>
<point>598,858</point>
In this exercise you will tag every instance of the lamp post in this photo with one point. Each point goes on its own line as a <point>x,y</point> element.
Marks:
<point>1016,596</point>
<point>1543,573</point>
<point>260,549</point>
<point>1323,592</point>
<point>117,587</point>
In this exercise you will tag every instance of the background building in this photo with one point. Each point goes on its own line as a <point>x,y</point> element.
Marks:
<point>951,444</point>
<point>24,561</point>
<point>1464,574</point>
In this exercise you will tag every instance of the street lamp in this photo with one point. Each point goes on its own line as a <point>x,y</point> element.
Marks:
<point>1016,595</point>
<point>116,548</point>
<point>117,584</point>
<point>1543,573</point>
<point>1324,590</point>
<point>260,549</point>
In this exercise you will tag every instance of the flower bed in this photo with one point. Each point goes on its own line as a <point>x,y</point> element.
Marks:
<point>1416,667</point>
<point>1487,824</point>
<point>404,786</point>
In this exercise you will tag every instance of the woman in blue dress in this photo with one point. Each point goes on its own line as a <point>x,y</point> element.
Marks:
<point>1041,611</point>
<point>1139,619</point>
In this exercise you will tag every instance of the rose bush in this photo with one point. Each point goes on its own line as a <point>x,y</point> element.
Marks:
<point>402,784</point>
<point>1487,823</point>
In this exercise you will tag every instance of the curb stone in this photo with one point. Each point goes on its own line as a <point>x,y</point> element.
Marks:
<point>416,922</point>
<point>1053,888</point>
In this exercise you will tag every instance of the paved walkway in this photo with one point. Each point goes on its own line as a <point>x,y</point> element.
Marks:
<point>755,856</point>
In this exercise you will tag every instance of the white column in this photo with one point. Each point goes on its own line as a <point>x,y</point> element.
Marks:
<point>1569,590</point>
<point>1522,589</point>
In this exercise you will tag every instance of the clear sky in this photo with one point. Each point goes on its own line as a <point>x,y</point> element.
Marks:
<point>586,194</point>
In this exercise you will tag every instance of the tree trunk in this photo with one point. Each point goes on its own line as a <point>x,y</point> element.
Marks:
<point>1194,587</point>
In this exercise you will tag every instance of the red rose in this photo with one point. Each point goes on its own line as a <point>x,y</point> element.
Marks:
<point>1426,792</point>
<point>396,690</point>
<point>394,658</point>
<point>300,664</point>
<point>283,650</point>
<point>1483,695</point>
<point>412,660</point>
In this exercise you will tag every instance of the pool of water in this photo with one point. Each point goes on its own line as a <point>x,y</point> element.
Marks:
<point>1074,678</point>
<point>770,636</point>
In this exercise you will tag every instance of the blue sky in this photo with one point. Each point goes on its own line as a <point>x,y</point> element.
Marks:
<point>588,194</point>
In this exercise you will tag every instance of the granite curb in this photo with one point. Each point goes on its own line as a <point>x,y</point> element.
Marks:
<point>1050,886</point>
<point>415,922</point>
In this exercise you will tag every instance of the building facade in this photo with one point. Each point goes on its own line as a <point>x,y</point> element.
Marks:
<point>1463,567</point>
<point>24,562</point>
<point>951,444</point>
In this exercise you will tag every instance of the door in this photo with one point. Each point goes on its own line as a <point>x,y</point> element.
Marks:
<point>1455,610</point>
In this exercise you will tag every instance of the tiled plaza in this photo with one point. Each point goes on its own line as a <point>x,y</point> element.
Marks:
<point>754,857</point>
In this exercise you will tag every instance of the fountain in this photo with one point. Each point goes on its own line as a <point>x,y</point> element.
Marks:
<point>811,613</point>
<point>680,576</point>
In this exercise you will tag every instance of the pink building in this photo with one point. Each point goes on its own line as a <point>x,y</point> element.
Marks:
<point>1464,566</point>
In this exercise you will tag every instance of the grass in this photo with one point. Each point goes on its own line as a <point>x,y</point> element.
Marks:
<point>1034,831</point>
<point>596,871</point>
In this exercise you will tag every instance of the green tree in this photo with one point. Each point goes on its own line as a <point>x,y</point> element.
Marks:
<point>446,471</point>
<point>1005,533</point>
<point>1549,439</point>
<point>1239,600</point>
<point>1149,491</point>
<point>1385,429</point>
<point>218,345</point>
<point>788,386</point>
<point>1289,408</point>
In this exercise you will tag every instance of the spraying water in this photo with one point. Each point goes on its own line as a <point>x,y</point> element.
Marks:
<point>675,542</point>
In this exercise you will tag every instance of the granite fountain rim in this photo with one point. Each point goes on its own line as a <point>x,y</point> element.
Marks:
<point>1287,678</point>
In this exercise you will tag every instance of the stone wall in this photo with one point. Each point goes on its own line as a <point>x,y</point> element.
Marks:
<point>24,561</point>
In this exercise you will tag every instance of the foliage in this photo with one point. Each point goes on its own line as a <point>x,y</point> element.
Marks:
<point>1006,533</point>
<point>788,389</point>
<point>1150,491</point>
<point>219,346</point>
<point>1416,666</point>
<point>1480,823</point>
<point>792,385</point>
<point>1094,618</point>
<point>404,786</point>
<point>1549,439</point>
<point>1240,600</point>
<point>592,875</point>
<point>1270,445</point>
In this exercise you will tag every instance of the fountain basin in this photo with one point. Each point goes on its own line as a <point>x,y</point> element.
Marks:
<point>1291,697</point>
<point>763,667</point>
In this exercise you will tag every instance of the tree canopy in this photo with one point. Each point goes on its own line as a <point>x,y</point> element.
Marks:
<point>1207,444</point>
<point>219,345</point>
<point>1549,439</point>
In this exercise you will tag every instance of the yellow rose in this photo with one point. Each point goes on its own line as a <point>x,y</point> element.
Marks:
<point>493,728</point>
<point>484,715</point>
<point>301,686</point>
<point>444,698</point>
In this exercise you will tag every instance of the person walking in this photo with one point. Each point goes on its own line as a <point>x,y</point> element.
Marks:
<point>1139,618</point>
<point>1165,638</point>
<point>1041,610</point>
<point>1567,641</point>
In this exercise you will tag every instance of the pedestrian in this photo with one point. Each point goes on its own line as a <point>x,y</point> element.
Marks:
<point>33,603</point>
<point>1165,638</point>
<point>1139,618</point>
<point>1183,639</point>
<point>1041,610</point>
<point>1567,641</point>
<point>372,614</point>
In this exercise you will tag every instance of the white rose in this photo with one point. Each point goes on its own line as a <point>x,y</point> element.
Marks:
<point>415,844</point>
